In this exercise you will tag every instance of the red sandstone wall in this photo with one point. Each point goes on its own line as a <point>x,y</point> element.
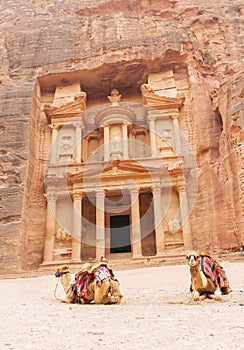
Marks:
<point>47,37</point>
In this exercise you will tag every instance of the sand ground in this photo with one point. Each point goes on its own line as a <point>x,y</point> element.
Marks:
<point>156,313</point>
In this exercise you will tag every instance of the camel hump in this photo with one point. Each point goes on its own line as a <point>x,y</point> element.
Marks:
<point>213,270</point>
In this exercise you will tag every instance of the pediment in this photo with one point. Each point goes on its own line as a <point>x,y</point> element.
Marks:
<point>116,170</point>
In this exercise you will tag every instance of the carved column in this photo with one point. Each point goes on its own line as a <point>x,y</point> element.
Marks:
<point>78,141</point>
<point>100,223</point>
<point>54,146</point>
<point>184,211</point>
<point>152,128</point>
<point>77,222</point>
<point>125,140</point>
<point>135,223</point>
<point>176,133</point>
<point>50,227</point>
<point>132,144</point>
<point>106,143</point>
<point>158,219</point>
<point>85,149</point>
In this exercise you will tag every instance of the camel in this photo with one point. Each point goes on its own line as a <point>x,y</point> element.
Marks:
<point>208,279</point>
<point>93,283</point>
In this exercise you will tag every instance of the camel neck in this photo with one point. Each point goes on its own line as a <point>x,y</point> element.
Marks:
<point>194,270</point>
<point>65,280</point>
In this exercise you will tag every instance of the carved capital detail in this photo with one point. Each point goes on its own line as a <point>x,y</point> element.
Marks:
<point>156,189</point>
<point>79,125</point>
<point>174,116</point>
<point>134,191</point>
<point>77,195</point>
<point>181,188</point>
<point>100,193</point>
<point>51,196</point>
<point>53,126</point>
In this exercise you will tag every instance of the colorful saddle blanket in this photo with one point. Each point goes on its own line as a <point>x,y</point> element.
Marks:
<point>214,271</point>
<point>83,279</point>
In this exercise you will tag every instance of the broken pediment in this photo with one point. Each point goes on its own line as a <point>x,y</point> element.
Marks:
<point>151,99</point>
<point>70,109</point>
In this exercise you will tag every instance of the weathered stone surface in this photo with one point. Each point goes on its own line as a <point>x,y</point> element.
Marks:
<point>116,43</point>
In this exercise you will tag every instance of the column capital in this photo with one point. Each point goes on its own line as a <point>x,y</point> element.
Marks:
<point>104,126</point>
<point>134,191</point>
<point>53,126</point>
<point>157,188</point>
<point>51,196</point>
<point>77,195</point>
<point>79,125</point>
<point>100,193</point>
<point>174,116</point>
<point>181,188</point>
<point>151,118</point>
<point>126,123</point>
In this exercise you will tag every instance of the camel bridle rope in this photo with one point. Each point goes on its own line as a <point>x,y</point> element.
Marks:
<point>58,275</point>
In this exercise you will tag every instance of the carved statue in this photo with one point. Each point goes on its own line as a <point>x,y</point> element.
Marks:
<point>116,142</point>
<point>114,97</point>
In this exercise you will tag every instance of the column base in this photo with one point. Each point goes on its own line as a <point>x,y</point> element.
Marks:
<point>75,260</point>
<point>137,256</point>
<point>45,263</point>
<point>159,254</point>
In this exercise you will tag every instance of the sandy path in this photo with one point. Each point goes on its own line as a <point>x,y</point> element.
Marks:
<point>155,314</point>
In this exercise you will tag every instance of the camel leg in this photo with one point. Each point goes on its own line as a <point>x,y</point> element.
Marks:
<point>101,293</point>
<point>115,292</point>
<point>217,295</point>
<point>195,295</point>
<point>108,293</point>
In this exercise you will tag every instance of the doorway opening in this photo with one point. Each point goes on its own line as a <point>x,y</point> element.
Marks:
<point>120,234</point>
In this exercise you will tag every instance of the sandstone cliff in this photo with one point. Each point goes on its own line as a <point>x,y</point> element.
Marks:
<point>40,38</point>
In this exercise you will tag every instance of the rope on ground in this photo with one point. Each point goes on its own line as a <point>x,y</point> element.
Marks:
<point>62,301</point>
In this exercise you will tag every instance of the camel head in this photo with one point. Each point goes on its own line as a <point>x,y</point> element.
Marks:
<point>193,258</point>
<point>62,270</point>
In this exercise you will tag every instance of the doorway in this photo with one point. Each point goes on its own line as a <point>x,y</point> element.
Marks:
<point>120,234</point>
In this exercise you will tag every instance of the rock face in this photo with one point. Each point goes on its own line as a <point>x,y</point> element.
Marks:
<point>106,44</point>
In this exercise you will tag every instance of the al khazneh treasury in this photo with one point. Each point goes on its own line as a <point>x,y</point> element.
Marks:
<point>115,179</point>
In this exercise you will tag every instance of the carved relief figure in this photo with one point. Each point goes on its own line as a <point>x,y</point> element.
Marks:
<point>66,146</point>
<point>174,225</point>
<point>62,235</point>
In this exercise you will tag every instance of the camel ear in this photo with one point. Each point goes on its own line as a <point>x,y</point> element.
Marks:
<point>187,254</point>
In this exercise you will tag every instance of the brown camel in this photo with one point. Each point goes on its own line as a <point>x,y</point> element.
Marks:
<point>94,283</point>
<point>208,279</point>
